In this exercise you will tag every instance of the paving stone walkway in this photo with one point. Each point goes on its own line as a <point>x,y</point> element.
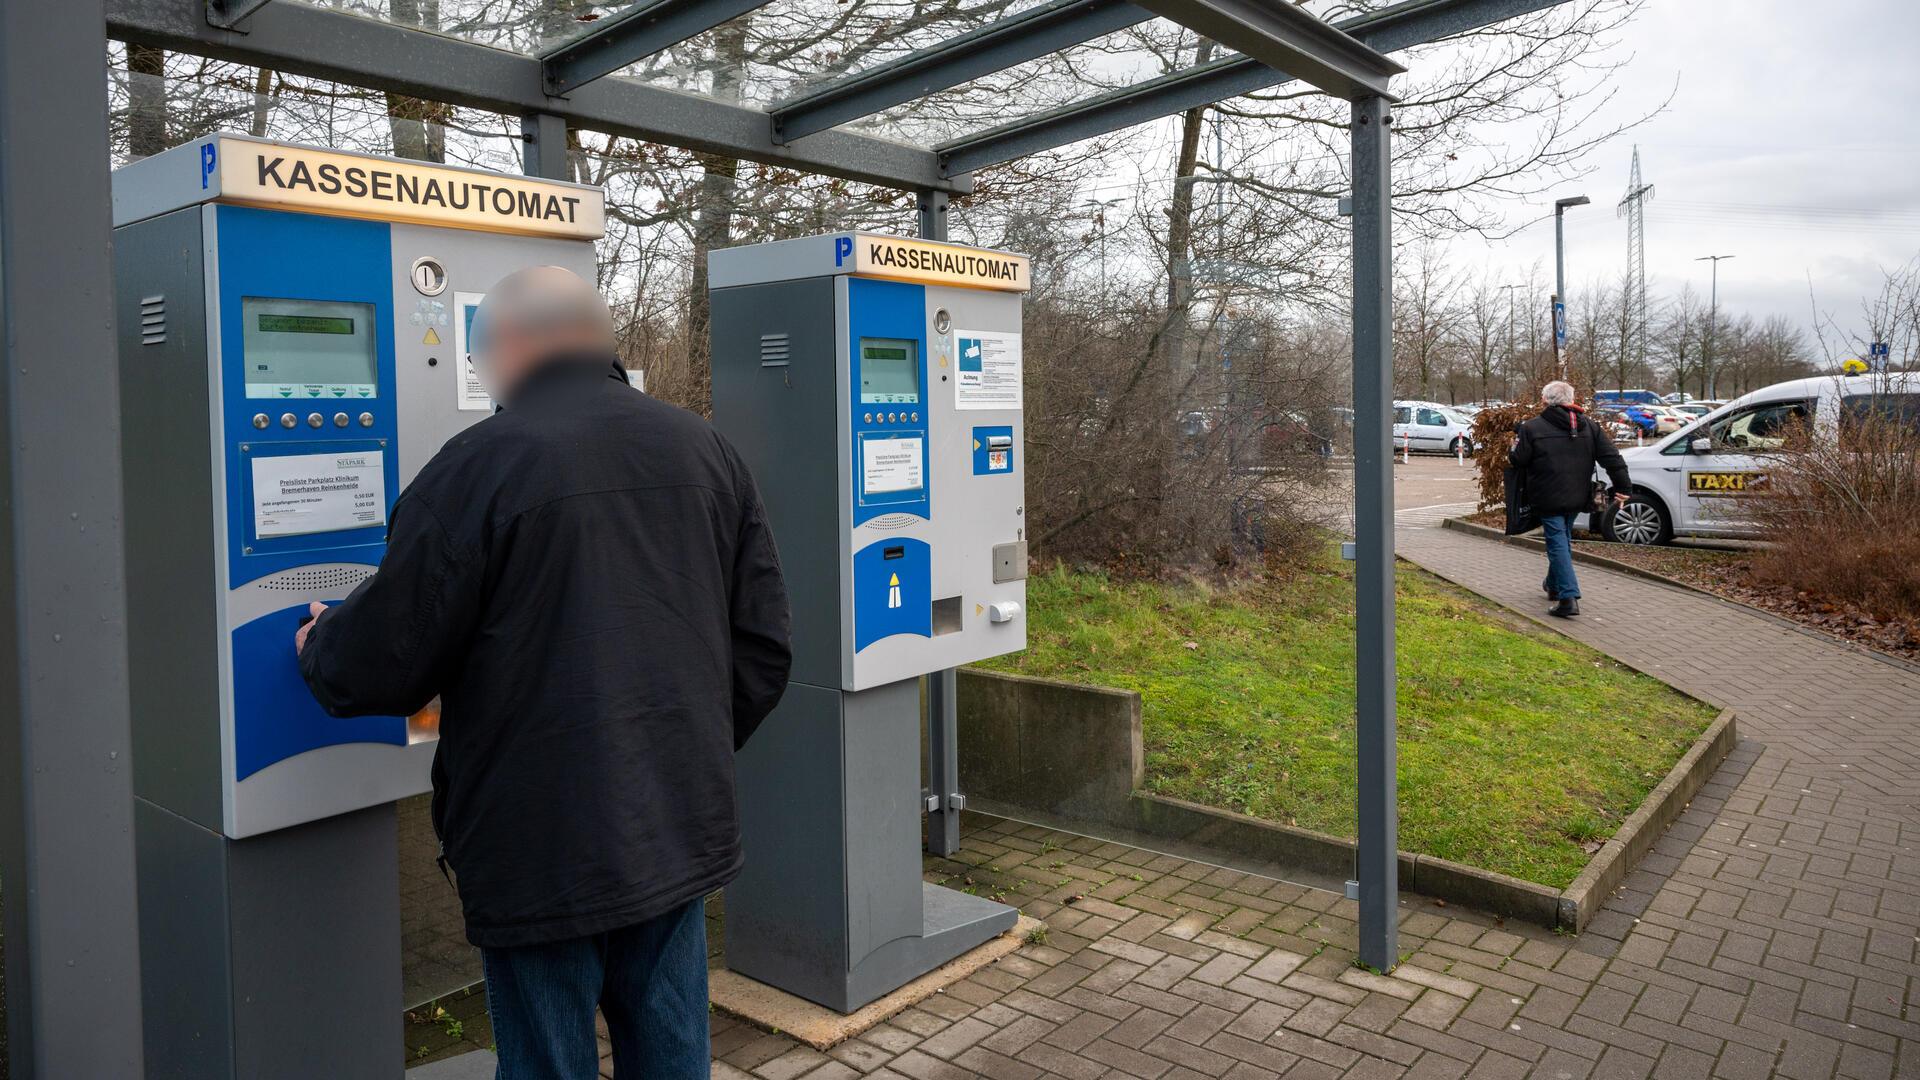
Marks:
<point>1771,932</point>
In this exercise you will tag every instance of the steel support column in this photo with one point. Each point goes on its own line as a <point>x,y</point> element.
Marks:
<point>544,146</point>
<point>66,793</point>
<point>633,35</point>
<point>944,800</point>
<point>1377,858</point>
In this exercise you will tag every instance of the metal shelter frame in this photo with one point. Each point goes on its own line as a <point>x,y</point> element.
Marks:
<point>66,851</point>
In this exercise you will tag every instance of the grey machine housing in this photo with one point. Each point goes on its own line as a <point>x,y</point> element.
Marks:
<point>831,905</point>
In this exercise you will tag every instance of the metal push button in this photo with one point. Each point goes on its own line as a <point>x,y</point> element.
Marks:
<point>366,419</point>
<point>287,420</point>
<point>340,419</point>
<point>260,420</point>
<point>315,419</point>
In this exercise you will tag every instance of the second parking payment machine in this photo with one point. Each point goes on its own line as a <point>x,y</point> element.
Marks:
<point>293,329</point>
<point>873,384</point>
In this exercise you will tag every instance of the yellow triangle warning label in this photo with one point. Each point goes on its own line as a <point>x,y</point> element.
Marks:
<point>431,338</point>
<point>895,581</point>
<point>977,609</point>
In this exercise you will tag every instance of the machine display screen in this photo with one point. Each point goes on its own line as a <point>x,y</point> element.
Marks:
<point>889,371</point>
<point>308,349</point>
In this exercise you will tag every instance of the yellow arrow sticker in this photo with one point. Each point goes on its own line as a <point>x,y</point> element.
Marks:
<point>895,581</point>
<point>976,444</point>
<point>431,338</point>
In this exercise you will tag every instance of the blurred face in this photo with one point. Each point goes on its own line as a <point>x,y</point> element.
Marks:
<point>505,355</point>
<point>534,317</point>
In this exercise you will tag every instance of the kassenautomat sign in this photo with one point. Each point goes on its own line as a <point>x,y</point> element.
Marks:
<point>907,259</point>
<point>320,181</point>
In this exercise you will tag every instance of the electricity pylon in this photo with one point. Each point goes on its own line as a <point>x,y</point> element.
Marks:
<point>1633,208</point>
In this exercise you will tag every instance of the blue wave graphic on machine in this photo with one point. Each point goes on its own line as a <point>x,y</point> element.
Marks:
<point>274,254</point>
<point>892,590</point>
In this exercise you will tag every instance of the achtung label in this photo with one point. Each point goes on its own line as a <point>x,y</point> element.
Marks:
<point>1724,483</point>
<point>935,264</point>
<point>349,185</point>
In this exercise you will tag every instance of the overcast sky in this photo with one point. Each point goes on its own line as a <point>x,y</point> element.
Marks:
<point>1791,142</point>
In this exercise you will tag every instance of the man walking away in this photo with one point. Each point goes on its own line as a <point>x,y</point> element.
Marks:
<point>587,581</point>
<point>1555,456</point>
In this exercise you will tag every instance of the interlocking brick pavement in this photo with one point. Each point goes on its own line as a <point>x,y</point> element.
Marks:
<point>1772,930</point>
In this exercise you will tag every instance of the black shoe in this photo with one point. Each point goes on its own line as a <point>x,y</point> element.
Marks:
<point>1566,609</point>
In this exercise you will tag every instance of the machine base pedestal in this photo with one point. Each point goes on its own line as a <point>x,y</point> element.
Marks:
<point>831,906</point>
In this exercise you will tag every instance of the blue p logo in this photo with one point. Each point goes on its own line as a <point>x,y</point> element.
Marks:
<point>842,247</point>
<point>206,164</point>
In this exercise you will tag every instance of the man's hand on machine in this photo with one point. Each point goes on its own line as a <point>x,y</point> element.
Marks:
<point>306,625</point>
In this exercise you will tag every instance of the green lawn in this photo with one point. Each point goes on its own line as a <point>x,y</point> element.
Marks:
<point>1519,749</point>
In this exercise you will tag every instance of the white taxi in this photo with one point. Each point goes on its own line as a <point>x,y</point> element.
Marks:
<point>1698,480</point>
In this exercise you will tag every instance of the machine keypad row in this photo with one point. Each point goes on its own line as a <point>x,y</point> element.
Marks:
<point>288,420</point>
<point>890,418</point>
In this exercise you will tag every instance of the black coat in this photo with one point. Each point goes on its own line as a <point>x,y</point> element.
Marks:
<point>588,582</point>
<point>1556,455</point>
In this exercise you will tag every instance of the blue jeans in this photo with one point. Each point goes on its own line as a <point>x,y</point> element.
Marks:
<point>649,980</point>
<point>1560,582</point>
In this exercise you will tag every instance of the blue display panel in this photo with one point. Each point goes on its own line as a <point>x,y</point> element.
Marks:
<point>304,303</point>
<point>887,381</point>
<point>301,258</point>
<point>892,590</point>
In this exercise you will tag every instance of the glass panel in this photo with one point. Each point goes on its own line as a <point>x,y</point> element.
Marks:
<point>526,26</point>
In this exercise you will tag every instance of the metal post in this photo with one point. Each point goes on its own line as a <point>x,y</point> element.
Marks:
<point>1377,859</point>
<point>66,794</point>
<point>545,153</point>
<point>944,800</point>
<point>933,215</point>
<point>1710,379</point>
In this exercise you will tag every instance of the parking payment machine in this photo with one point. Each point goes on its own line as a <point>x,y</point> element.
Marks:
<point>873,384</point>
<point>293,349</point>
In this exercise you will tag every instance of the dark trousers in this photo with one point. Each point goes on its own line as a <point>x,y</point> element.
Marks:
<point>649,980</point>
<point>1561,583</point>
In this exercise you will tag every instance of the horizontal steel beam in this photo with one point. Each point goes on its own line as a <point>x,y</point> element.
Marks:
<point>640,31</point>
<point>326,44</point>
<point>994,47</point>
<point>1390,29</point>
<point>1287,38</point>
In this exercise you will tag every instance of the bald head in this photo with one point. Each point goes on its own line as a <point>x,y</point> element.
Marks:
<point>532,317</point>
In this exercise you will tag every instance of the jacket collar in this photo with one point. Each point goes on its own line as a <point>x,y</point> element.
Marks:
<point>1564,417</point>
<point>567,369</point>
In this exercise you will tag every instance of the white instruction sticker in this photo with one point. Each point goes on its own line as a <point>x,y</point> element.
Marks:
<point>987,372</point>
<point>298,494</point>
<point>469,393</point>
<point>890,465</point>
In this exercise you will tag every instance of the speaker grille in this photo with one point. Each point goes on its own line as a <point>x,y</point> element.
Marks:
<point>337,577</point>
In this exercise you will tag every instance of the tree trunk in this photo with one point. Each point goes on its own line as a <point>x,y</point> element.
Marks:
<point>714,205</point>
<point>147,98</point>
<point>262,103</point>
<point>417,126</point>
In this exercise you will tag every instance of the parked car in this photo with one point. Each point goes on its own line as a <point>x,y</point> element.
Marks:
<point>1614,423</point>
<point>1432,427</point>
<point>1697,409</point>
<point>1619,398</point>
<point>1698,481</point>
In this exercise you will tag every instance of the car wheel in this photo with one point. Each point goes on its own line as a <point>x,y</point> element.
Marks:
<point>1460,446</point>
<point>1640,520</point>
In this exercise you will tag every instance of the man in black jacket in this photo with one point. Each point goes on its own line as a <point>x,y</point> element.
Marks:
<point>1556,455</point>
<point>587,581</point>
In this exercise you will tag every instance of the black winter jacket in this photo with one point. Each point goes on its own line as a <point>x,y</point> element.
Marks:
<point>1556,455</point>
<point>588,582</point>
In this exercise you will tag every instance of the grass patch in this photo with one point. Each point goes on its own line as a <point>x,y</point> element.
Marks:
<point>1520,750</point>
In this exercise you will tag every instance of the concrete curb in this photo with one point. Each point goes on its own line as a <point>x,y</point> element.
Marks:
<point>1636,836</point>
<point>1587,557</point>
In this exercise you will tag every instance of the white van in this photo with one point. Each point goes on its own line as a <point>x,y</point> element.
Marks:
<point>1696,481</point>
<point>1431,426</point>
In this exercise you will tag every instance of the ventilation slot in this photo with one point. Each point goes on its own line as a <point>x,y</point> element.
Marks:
<point>153,320</point>
<point>773,350</point>
<point>338,577</point>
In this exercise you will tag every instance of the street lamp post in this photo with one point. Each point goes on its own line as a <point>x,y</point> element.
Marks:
<point>1713,327</point>
<point>1100,208</point>
<point>1560,208</point>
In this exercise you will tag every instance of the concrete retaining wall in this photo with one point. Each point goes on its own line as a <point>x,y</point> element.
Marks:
<point>1059,750</point>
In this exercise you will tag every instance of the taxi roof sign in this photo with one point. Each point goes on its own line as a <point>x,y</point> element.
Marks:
<point>243,170</point>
